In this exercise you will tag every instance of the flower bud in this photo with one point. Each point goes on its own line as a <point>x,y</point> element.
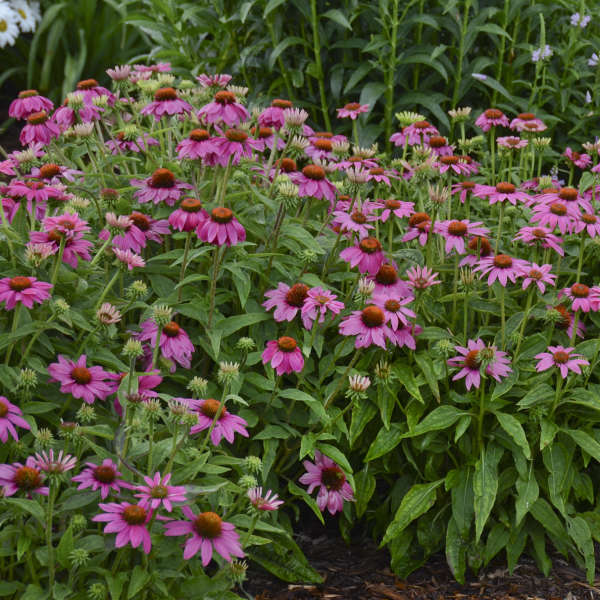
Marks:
<point>161,314</point>
<point>197,386</point>
<point>252,464</point>
<point>133,349</point>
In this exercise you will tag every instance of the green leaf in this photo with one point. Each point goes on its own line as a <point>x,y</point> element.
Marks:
<point>528,492</point>
<point>456,552</point>
<point>237,322</point>
<point>137,580</point>
<point>514,428</point>
<point>406,377</point>
<point>497,86</point>
<point>283,45</point>
<point>443,417</point>
<point>416,502</point>
<point>365,486</point>
<point>548,432</point>
<point>359,73</point>
<point>362,414</point>
<point>65,547</point>
<point>29,506</point>
<point>115,584</point>
<point>540,394</point>
<point>542,512</point>
<point>7,588</point>
<point>496,540</point>
<point>313,403</point>
<point>336,456</point>
<point>310,501</point>
<point>338,16</point>
<point>485,486</point>
<point>580,533</point>
<point>462,500</point>
<point>585,441</point>
<point>386,441</point>
<point>426,365</point>
<point>271,6</point>
<point>557,464</point>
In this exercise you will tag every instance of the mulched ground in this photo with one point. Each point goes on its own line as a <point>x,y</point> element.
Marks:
<point>361,572</point>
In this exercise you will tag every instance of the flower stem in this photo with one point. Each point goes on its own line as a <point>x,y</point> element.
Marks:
<point>502,318</point>
<point>524,321</point>
<point>156,345</point>
<point>184,263</point>
<point>500,223</point>
<point>343,378</point>
<point>49,515</point>
<point>107,289</point>
<point>317,51</point>
<point>213,285</point>
<point>15,323</point>
<point>58,261</point>
<point>481,416</point>
<point>559,383</point>
<point>250,530</point>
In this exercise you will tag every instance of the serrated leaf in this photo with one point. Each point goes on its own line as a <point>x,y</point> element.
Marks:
<point>528,492</point>
<point>485,485</point>
<point>514,428</point>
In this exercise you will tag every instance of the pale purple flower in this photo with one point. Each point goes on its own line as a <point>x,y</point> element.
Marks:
<point>129,522</point>
<point>311,181</point>
<point>416,133</point>
<point>10,415</point>
<point>130,259</point>
<point>539,275</point>
<point>501,267</point>
<point>104,477</point>
<point>26,290</point>
<point>556,214</point>
<point>562,358</point>
<point>579,159</point>
<point>501,192</point>
<point>542,236</point>
<point>55,463</point>
<point>220,81</point>
<point>420,278</point>
<point>470,361</point>
<point>160,187</point>
<point>157,492</point>
<point>221,228</point>
<point>267,502</point>
<point>189,216</point>
<point>367,255</point>
<point>394,309</point>
<point>391,206</point>
<point>492,117</point>
<point>455,232</point>
<point>174,342</point>
<point>283,355</point>
<point>79,380</point>
<point>26,478</point>
<point>39,129</point>
<point>316,305</point>
<point>583,297</point>
<point>224,109</point>
<point>352,110</point>
<point>226,426</point>
<point>27,103</point>
<point>369,325</point>
<point>166,104</point>
<point>286,300</point>
<point>527,122</point>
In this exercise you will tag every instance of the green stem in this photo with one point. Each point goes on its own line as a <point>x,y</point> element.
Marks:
<point>107,289</point>
<point>13,330</point>
<point>184,263</point>
<point>59,256</point>
<point>524,322</point>
<point>500,223</point>
<point>502,317</point>
<point>481,417</point>
<point>559,383</point>
<point>250,530</point>
<point>156,349</point>
<point>213,285</point>
<point>342,378</point>
<point>100,252</point>
<point>49,516</point>
<point>317,51</point>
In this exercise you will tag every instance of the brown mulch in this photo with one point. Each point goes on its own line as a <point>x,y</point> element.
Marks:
<point>361,572</point>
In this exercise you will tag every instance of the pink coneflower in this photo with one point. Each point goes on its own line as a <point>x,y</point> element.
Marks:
<point>160,67</point>
<point>391,206</point>
<point>590,223</point>
<point>316,305</point>
<point>157,493</point>
<point>405,336</point>
<point>26,290</point>
<point>39,129</point>
<point>267,502</point>
<point>33,191</point>
<point>352,110</point>
<point>104,477</point>
<point>583,297</point>
<point>119,72</point>
<point>331,481</point>
<point>478,248</point>
<point>160,187</point>
<point>7,167</point>
<point>286,300</point>
<point>28,102</point>
<point>367,255</point>
<point>562,358</point>
<point>198,145</point>
<point>420,278</point>
<point>66,116</point>
<point>51,173</point>
<point>265,139</point>
<point>166,103</point>
<point>581,160</point>
<point>527,122</point>
<point>356,163</point>
<point>189,216</point>
<point>274,116</point>
<point>55,463</point>
<point>381,175</point>
<point>209,533</point>
<point>216,80</point>
<point>565,195</point>
<point>511,142</point>
<point>369,325</point>
<point>68,225</point>
<point>143,229</point>
<point>556,214</point>
<point>311,181</point>
<point>455,232</point>
<point>321,149</point>
<point>145,390</point>
<point>416,133</point>
<point>129,258</point>
<point>439,145</point>
<point>359,221</point>
<point>501,192</point>
<point>470,361</point>
<point>224,108</point>
<point>25,477</point>
<point>79,380</point>
<point>108,314</point>
<point>394,309</point>
<point>388,283</point>
<point>226,426</point>
<point>121,144</point>
<point>283,355</point>
<point>492,117</point>
<point>174,342</point>
<point>501,267</point>
<point>235,144</point>
<point>566,321</point>
<point>464,188</point>
<point>455,164</point>
<point>540,235</point>
<point>129,522</point>
<point>419,225</point>
<point>10,415</point>
<point>90,89</point>
<point>539,275</point>
<point>221,228</point>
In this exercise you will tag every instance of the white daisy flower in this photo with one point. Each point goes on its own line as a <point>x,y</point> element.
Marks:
<point>28,14</point>
<point>9,30</point>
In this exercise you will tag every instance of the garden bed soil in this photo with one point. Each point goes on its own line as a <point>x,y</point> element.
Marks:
<point>361,572</point>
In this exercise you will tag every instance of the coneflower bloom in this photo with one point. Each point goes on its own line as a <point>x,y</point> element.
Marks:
<point>160,67</point>
<point>39,128</point>
<point>501,192</point>
<point>311,181</point>
<point>90,89</point>
<point>10,415</point>
<point>417,133</point>
<point>104,477</point>
<point>539,275</point>
<point>145,388</point>
<point>511,142</point>
<point>367,255</point>
<point>419,225</point>
<point>542,236</point>
<point>454,163</point>
<point>583,297</point>
<point>189,216</point>
<point>269,501</point>
<point>26,478</point>
<point>470,361</point>
<point>174,342</point>
<point>369,325</point>
<point>588,222</point>
<point>501,267</point>
<point>527,122</point>
<point>129,522</point>
<point>198,145</point>
<point>166,103</point>
<point>79,380</point>
<point>216,80</point>
<point>325,474</point>
<point>224,108</point>
<point>157,492</point>
<point>439,145</point>
<point>391,206</point>
<point>274,115</point>
<point>143,229</point>
<point>108,314</point>
<point>55,463</point>
<point>140,143</point>
<point>564,359</point>
<point>265,139</point>
<point>478,248</point>
<point>28,102</point>
<point>464,188</point>
<point>51,173</point>
<point>356,163</point>
<point>75,110</point>
<point>566,195</point>
<point>129,258</point>
<point>226,426</point>
<point>283,355</point>
<point>381,175</point>
<point>388,283</point>
<point>455,232</point>
<point>557,214</point>
<point>492,117</point>
<point>316,305</point>
<point>420,278</point>
<point>26,290</point>
<point>394,309</point>
<point>286,300</point>
<point>208,533</point>
<point>352,110</point>
<point>235,144</point>
<point>160,187</point>
<point>359,221</point>
<point>581,160</point>
<point>221,227</point>
<point>320,149</point>
<point>566,321</point>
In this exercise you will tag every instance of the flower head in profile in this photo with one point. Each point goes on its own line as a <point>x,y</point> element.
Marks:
<point>26,478</point>
<point>501,267</point>
<point>283,355</point>
<point>419,225</point>
<point>55,463</point>
<point>129,259</point>
<point>583,297</point>
<point>527,122</point>
<point>166,104</point>
<point>367,255</point>
<point>369,325</point>
<point>24,290</point>
<point>579,159</point>
<point>221,228</point>
<point>352,110</point>
<point>157,492</point>
<point>286,300</point>
<point>161,186</point>
<point>420,278</point>
<point>564,359</point>
<point>224,109</point>
<point>492,117</point>
<point>226,424</point>
<point>542,236</point>
<point>470,361</point>
<point>267,502</point>
<point>208,533</point>
<point>28,102</point>
<point>501,192</point>
<point>325,474</point>
<point>10,415</point>
<point>312,181</point>
<point>317,304</point>
<point>129,522</point>
<point>455,233</point>
<point>174,342</point>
